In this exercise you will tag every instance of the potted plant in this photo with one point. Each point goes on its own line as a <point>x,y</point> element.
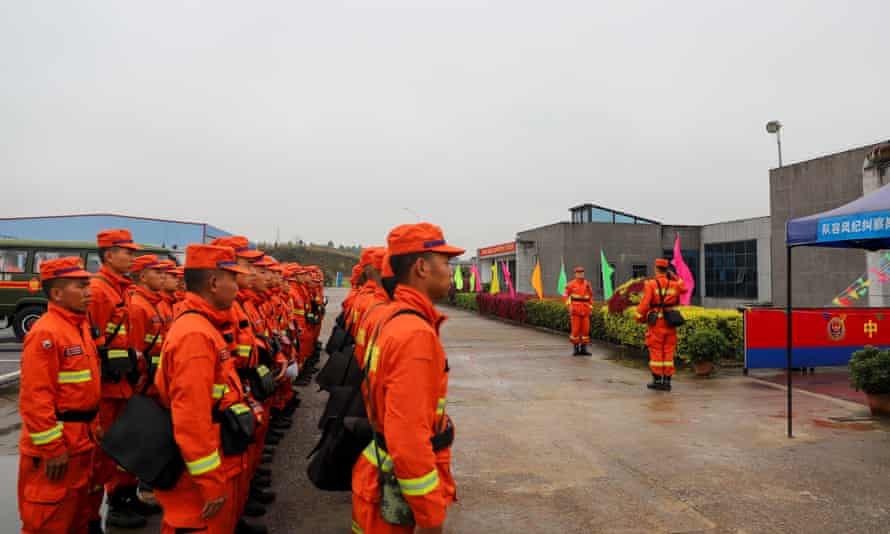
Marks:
<point>704,348</point>
<point>870,373</point>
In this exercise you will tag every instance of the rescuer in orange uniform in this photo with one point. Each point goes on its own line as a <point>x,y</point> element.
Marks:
<point>406,395</point>
<point>196,381</point>
<point>579,299</point>
<point>59,401</point>
<point>168,293</point>
<point>146,321</point>
<point>368,303</point>
<point>109,317</point>
<point>660,293</point>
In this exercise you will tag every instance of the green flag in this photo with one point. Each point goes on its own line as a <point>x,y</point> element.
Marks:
<point>561,285</point>
<point>459,278</point>
<point>607,276</point>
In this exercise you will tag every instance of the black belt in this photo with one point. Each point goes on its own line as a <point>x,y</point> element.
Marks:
<point>580,300</point>
<point>77,416</point>
<point>440,441</point>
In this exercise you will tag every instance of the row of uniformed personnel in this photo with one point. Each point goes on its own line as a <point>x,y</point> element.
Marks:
<point>227,334</point>
<point>390,314</point>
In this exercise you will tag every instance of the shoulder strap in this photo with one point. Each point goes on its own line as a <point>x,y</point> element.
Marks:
<point>366,377</point>
<point>123,301</point>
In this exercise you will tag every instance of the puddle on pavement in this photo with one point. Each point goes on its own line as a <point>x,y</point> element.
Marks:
<point>663,404</point>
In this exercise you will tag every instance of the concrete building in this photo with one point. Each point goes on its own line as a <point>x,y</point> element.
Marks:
<point>814,186</point>
<point>729,261</point>
<point>171,234</point>
<point>488,256</point>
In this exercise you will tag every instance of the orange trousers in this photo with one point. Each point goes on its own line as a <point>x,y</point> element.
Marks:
<point>183,504</point>
<point>366,519</point>
<point>662,343</point>
<point>48,507</point>
<point>580,329</point>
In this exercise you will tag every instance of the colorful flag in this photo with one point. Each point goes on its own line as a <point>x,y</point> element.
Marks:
<point>536,280</point>
<point>495,287</point>
<point>684,273</point>
<point>607,276</point>
<point>459,278</point>
<point>561,284</point>
<point>475,284</point>
<point>508,279</point>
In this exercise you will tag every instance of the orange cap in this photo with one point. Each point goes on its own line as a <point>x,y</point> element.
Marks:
<point>116,238</point>
<point>386,266</point>
<point>212,257</point>
<point>274,265</point>
<point>148,261</point>
<point>241,246</point>
<point>166,265</point>
<point>356,273</point>
<point>579,269</point>
<point>420,237</point>
<point>265,262</point>
<point>663,263</point>
<point>67,267</point>
<point>178,272</point>
<point>368,255</point>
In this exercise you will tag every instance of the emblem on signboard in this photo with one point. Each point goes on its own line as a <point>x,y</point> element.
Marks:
<point>836,328</point>
<point>34,285</point>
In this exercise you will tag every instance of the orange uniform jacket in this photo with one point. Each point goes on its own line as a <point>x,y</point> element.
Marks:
<point>195,376</point>
<point>146,327</point>
<point>375,311</point>
<point>108,310</point>
<point>579,297</point>
<point>672,289</point>
<point>166,309</point>
<point>409,385</point>
<point>60,373</point>
<point>360,304</point>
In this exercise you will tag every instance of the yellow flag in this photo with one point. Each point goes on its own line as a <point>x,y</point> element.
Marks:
<point>536,280</point>
<point>495,283</point>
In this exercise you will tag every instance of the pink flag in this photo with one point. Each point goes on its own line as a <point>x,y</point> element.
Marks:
<point>477,277</point>
<point>684,273</point>
<point>508,279</point>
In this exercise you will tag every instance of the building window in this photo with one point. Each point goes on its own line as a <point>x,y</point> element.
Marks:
<point>94,263</point>
<point>43,255</point>
<point>13,261</point>
<point>601,216</point>
<point>639,271</point>
<point>623,219</point>
<point>731,269</point>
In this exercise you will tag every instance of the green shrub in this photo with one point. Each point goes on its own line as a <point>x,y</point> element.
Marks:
<point>706,345</point>
<point>549,314</point>
<point>466,301</point>
<point>870,370</point>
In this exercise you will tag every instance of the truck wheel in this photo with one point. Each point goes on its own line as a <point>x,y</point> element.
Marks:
<point>25,319</point>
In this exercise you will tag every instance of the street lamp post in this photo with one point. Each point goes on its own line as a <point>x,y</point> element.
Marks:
<point>775,127</point>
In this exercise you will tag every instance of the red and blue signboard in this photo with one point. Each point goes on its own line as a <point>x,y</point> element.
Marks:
<point>822,336</point>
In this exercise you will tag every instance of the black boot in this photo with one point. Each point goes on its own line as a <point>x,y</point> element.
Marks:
<point>262,496</point>
<point>95,527</point>
<point>656,382</point>
<point>121,513</point>
<point>247,527</point>
<point>143,500</point>
<point>266,459</point>
<point>584,351</point>
<point>262,482</point>
<point>666,385</point>
<point>274,433</point>
<point>263,471</point>
<point>254,509</point>
<point>576,351</point>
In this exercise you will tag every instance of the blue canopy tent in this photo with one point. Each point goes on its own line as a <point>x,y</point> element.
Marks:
<point>863,224</point>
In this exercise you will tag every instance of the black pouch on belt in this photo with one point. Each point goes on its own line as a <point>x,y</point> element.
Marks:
<point>260,380</point>
<point>236,427</point>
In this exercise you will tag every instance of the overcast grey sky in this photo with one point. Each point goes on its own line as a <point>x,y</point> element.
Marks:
<point>327,118</point>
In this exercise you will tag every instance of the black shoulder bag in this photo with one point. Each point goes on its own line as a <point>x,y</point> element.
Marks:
<point>672,317</point>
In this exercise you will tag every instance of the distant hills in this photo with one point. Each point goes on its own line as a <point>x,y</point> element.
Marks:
<point>331,260</point>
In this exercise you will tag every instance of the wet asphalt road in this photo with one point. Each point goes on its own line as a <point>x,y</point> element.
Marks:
<point>547,443</point>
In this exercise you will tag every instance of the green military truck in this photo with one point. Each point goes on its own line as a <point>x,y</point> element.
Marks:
<point>21,298</point>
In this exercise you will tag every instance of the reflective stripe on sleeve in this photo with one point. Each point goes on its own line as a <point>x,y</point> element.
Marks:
<point>110,328</point>
<point>47,436</point>
<point>75,377</point>
<point>205,464</point>
<point>440,407</point>
<point>360,337</point>
<point>244,351</point>
<point>219,390</point>
<point>417,487</point>
<point>117,354</point>
<point>239,408</point>
<point>356,529</point>
<point>150,338</point>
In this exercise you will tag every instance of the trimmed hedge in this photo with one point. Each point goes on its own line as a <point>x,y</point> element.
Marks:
<point>616,328</point>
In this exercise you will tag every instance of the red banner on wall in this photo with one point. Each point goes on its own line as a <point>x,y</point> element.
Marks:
<point>503,248</point>
<point>822,336</point>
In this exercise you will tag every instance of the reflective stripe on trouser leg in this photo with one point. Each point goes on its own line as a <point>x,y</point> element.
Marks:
<point>662,344</point>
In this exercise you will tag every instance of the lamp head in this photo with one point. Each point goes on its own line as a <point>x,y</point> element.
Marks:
<point>773,126</point>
